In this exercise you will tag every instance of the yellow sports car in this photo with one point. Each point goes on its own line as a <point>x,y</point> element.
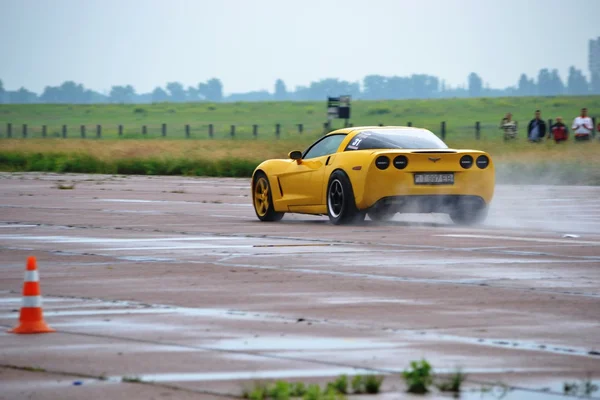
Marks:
<point>379,171</point>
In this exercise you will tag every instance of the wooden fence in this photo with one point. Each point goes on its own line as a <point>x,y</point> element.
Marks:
<point>210,130</point>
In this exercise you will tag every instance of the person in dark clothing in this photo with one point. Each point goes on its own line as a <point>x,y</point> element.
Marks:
<point>536,130</point>
<point>559,131</point>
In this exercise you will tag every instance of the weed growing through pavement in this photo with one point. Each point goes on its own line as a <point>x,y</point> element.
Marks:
<point>419,377</point>
<point>372,383</point>
<point>584,388</point>
<point>453,383</point>
<point>340,384</point>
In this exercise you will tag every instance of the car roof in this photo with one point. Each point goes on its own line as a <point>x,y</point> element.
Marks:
<point>358,129</point>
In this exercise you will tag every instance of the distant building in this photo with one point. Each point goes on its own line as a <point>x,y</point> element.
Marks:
<point>594,61</point>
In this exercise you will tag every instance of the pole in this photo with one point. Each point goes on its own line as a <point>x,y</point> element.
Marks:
<point>24,131</point>
<point>277,130</point>
<point>120,130</point>
<point>64,131</point>
<point>255,131</point>
<point>44,130</point>
<point>210,131</point>
<point>443,129</point>
<point>187,131</point>
<point>164,130</point>
<point>477,130</point>
<point>98,131</point>
<point>82,130</point>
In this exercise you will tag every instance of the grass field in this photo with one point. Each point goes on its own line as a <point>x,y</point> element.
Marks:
<point>516,162</point>
<point>460,116</point>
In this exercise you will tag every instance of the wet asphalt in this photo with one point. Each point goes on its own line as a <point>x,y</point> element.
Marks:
<point>174,282</point>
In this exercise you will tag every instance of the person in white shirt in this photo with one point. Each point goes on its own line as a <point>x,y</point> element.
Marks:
<point>582,126</point>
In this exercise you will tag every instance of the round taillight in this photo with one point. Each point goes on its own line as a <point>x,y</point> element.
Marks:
<point>400,162</point>
<point>466,161</point>
<point>482,161</point>
<point>382,162</point>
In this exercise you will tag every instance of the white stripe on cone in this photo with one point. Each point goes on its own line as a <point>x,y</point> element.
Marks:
<point>32,276</point>
<point>32,301</point>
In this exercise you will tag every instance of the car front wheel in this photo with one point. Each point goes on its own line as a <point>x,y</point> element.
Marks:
<point>263,200</point>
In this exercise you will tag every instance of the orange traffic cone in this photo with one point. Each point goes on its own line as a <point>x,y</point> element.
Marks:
<point>31,319</point>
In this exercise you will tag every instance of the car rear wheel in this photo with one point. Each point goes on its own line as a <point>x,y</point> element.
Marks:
<point>381,214</point>
<point>263,200</point>
<point>341,206</point>
<point>469,216</point>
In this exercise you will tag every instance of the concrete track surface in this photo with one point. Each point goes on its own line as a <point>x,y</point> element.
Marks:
<point>174,282</point>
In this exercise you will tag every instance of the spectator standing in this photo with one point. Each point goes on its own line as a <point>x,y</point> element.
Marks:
<point>509,126</point>
<point>582,126</point>
<point>559,131</point>
<point>536,129</point>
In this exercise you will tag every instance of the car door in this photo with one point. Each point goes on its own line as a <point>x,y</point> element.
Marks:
<point>302,182</point>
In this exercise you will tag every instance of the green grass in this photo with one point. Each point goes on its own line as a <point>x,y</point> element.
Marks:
<point>459,114</point>
<point>419,377</point>
<point>516,162</point>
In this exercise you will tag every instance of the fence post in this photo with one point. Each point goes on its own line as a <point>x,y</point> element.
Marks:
<point>9,130</point>
<point>120,130</point>
<point>443,129</point>
<point>594,127</point>
<point>44,131</point>
<point>300,128</point>
<point>187,131</point>
<point>409,124</point>
<point>210,131</point>
<point>164,130</point>
<point>232,131</point>
<point>98,131</point>
<point>477,130</point>
<point>24,131</point>
<point>255,130</point>
<point>64,131</point>
<point>144,130</point>
<point>550,123</point>
<point>325,127</point>
<point>82,129</point>
<point>277,130</point>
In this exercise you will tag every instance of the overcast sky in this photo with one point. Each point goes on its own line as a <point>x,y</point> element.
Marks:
<point>248,44</point>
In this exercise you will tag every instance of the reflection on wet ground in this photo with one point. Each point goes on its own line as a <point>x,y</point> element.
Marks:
<point>189,289</point>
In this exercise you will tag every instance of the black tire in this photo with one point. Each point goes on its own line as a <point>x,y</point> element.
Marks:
<point>469,216</point>
<point>381,214</point>
<point>263,200</point>
<point>341,206</point>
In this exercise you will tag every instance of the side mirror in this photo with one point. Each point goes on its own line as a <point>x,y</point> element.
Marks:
<point>295,155</point>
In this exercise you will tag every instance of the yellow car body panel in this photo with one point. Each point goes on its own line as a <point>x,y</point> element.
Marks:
<point>301,185</point>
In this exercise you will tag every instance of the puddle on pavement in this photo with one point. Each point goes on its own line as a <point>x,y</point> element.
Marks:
<point>299,344</point>
<point>74,239</point>
<point>367,300</point>
<point>252,375</point>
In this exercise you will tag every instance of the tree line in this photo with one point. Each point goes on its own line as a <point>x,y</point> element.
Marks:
<point>373,87</point>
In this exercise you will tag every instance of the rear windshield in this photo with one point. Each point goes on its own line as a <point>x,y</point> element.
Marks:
<point>395,139</point>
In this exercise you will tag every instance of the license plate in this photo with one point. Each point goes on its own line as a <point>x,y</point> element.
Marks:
<point>434,179</point>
